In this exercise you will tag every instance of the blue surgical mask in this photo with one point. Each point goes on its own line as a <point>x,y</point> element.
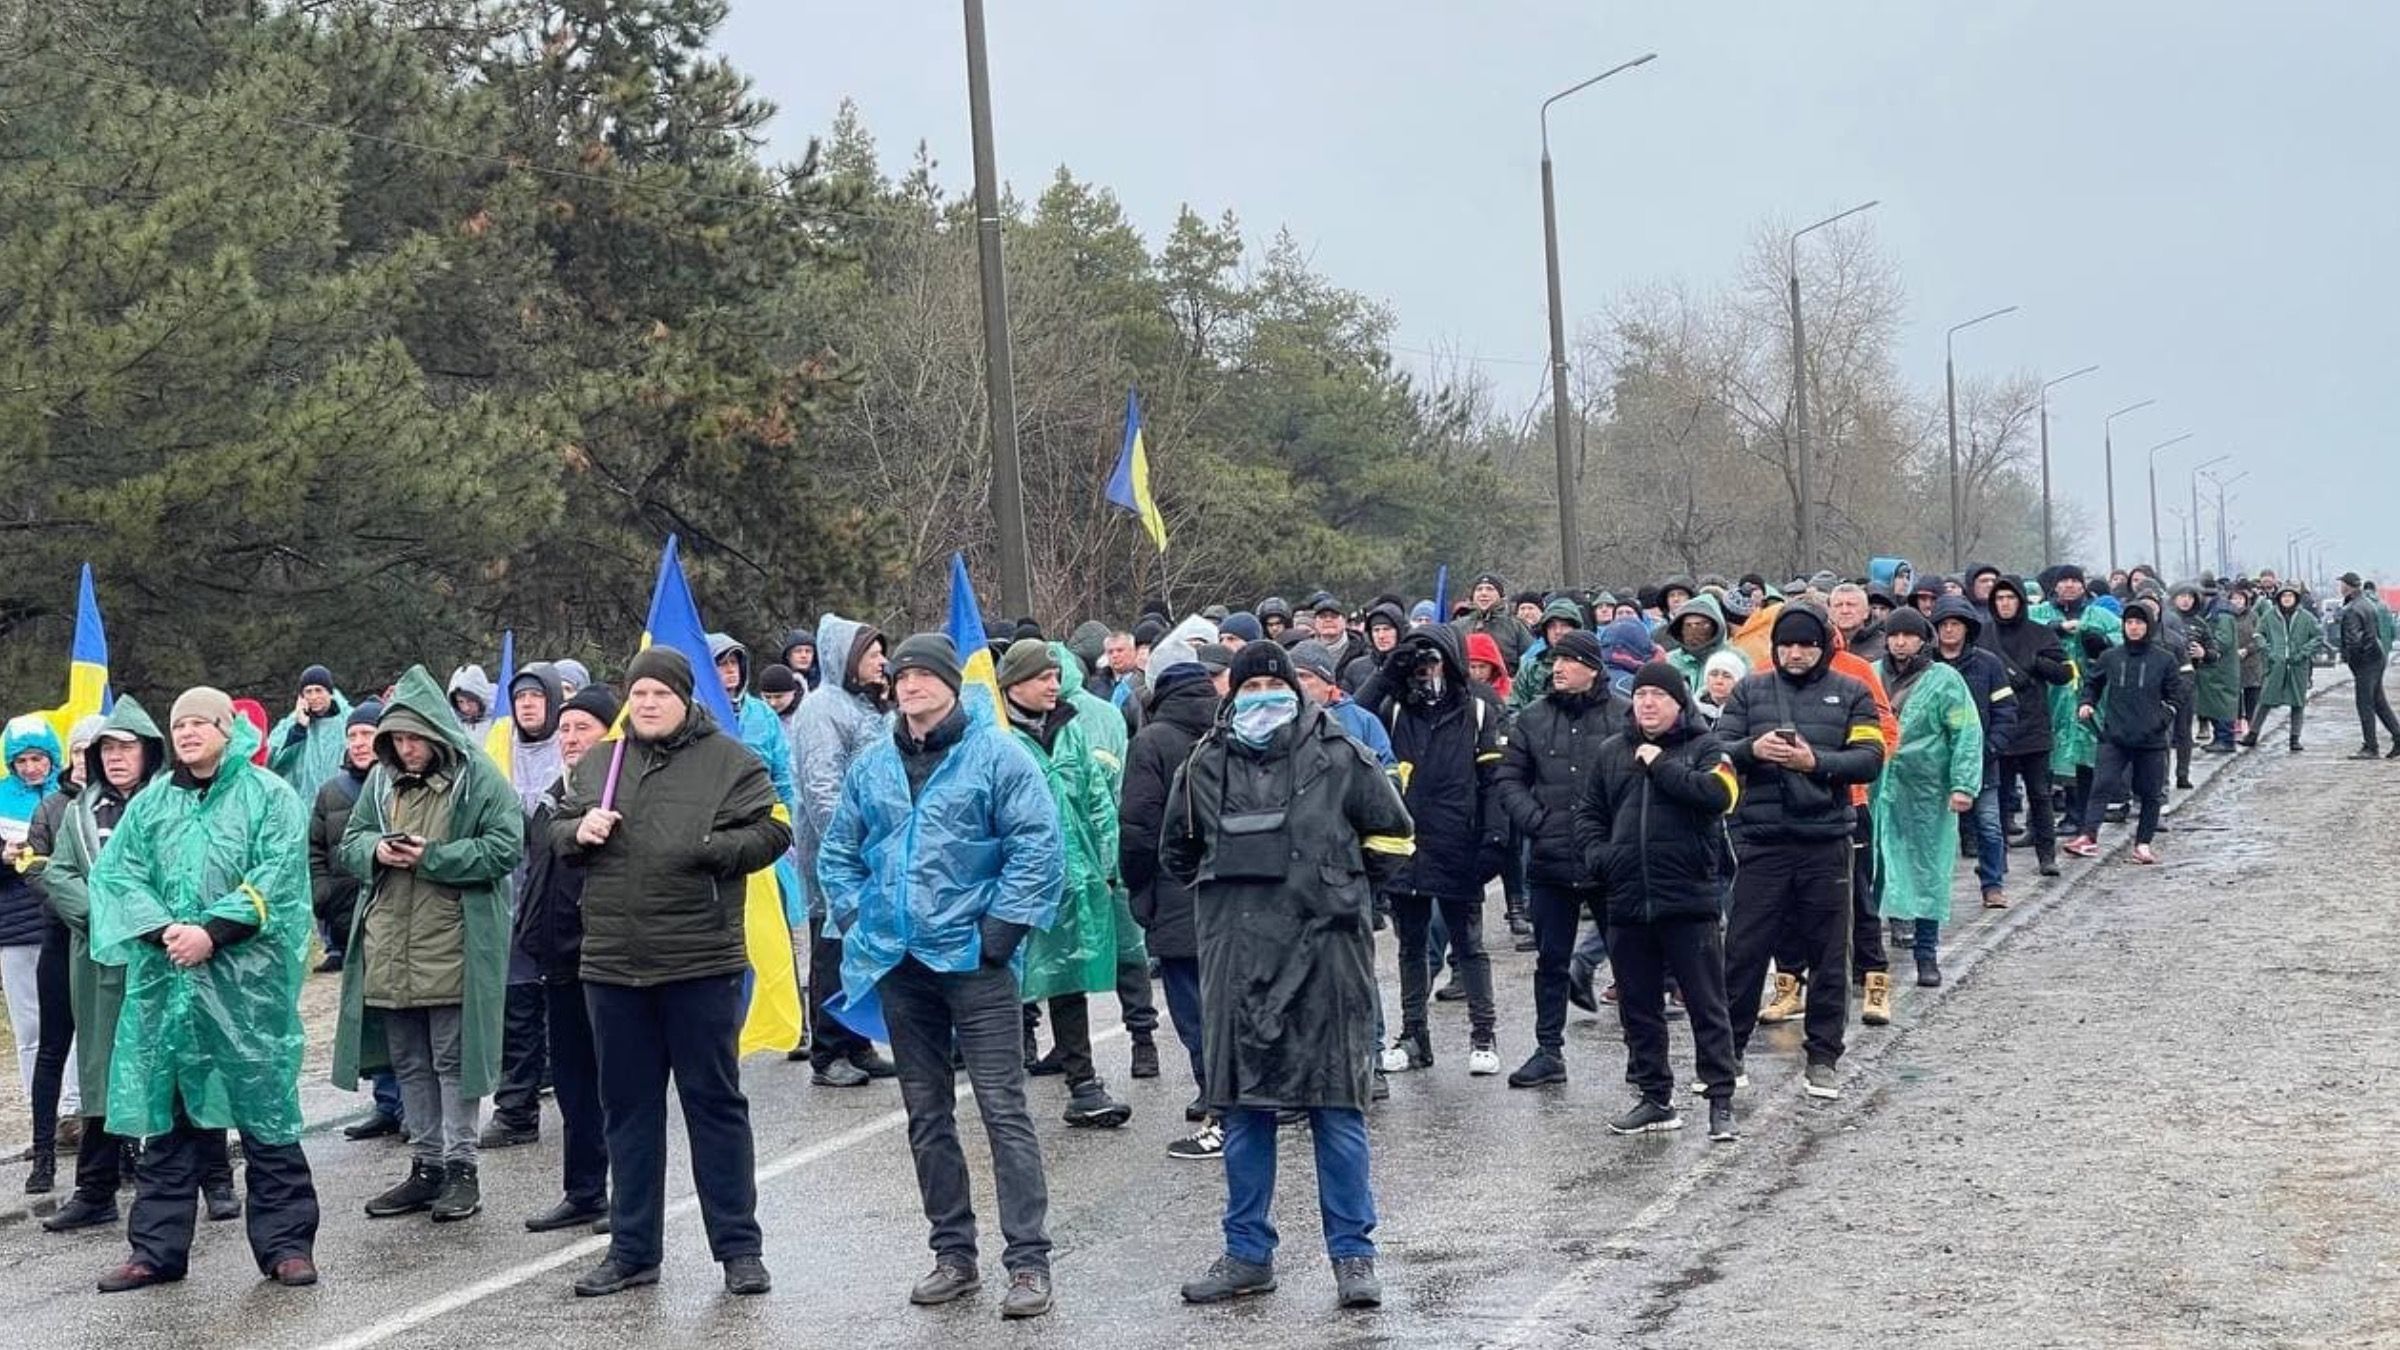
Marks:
<point>1260,714</point>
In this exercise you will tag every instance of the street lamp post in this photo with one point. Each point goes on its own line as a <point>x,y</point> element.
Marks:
<point>2108,454</point>
<point>2050,540</point>
<point>2196,470</point>
<point>2291,551</point>
<point>1805,463</point>
<point>2155,548</point>
<point>2224,532</point>
<point>1958,541</point>
<point>1570,533</point>
<point>999,378</point>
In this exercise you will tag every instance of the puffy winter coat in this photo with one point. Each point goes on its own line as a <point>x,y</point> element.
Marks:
<point>1180,715</point>
<point>1836,715</point>
<point>1652,836</point>
<point>1449,759</point>
<point>2134,690</point>
<point>1986,675</point>
<point>1545,769</point>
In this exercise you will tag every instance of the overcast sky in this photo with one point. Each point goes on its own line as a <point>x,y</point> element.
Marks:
<point>2202,198</point>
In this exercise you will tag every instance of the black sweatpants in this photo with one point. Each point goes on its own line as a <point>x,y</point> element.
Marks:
<point>1642,957</point>
<point>575,1080</point>
<point>2147,771</point>
<point>687,1030</point>
<point>1801,890</point>
<point>281,1215</point>
<point>524,1060</point>
<point>1866,906</point>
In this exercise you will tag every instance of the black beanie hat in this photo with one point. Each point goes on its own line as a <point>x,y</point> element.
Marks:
<point>778,679</point>
<point>665,665</point>
<point>1261,658</point>
<point>365,714</point>
<point>1802,623</point>
<point>317,675</point>
<point>929,652</point>
<point>1910,620</point>
<point>2066,572</point>
<point>597,701</point>
<point>1660,675</point>
<point>1582,648</point>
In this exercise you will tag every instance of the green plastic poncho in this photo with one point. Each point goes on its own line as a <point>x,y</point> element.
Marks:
<point>96,991</point>
<point>2075,743</point>
<point>2292,641</point>
<point>222,1039</point>
<point>318,756</point>
<point>1941,752</point>
<point>1104,726</point>
<point>1077,954</point>
<point>478,860</point>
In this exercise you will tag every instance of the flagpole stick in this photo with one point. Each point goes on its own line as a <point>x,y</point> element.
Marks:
<point>616,769</point>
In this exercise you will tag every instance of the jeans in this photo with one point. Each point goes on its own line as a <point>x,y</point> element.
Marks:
<point>424,1046</point>
<point>524,1061</point>
<point>386,1088</point>
<point>2148,771</point>
<point>1412,914</point>
<point>1800,889</point>
<point>828,1039</point>
<point>1345,1191</point>
<point>1181,976</point>
<point>928,1012</point>
<point>281,1216</point>
<point>575,1074</point>
<point>1991,844</point>
<point>1557,912</point>
<point>686,1030</point>
<point>1688,950</point>
<point>1927,940</point>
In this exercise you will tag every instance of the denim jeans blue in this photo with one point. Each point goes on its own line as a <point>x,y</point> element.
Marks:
<point>1345,1195</point>
<point>1991,846</point>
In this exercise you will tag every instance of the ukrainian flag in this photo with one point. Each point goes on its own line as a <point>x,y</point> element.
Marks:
<point>88,693</point>
<point>967,635</point>
<point>1129,486</point>
<point>773,1019</point>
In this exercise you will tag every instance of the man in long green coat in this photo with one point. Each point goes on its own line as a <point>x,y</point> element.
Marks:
<point>122,760</point>
<point>435,836</point>
<point>1077,955</point>
<point>2218,684</point>
<point>1934,776</point>
<point>2292,637</point>
<point>202,896</point>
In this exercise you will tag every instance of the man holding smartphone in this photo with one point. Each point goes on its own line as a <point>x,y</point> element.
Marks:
<point>1800,735</point>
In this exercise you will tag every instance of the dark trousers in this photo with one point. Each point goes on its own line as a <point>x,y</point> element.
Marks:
<point>1644,956</point>
<point>928,1012</point>
<point>1800,891</point>
<point>2250,693</point>
<point>2374,706</point>
<point>1866,903</point>
<point>2147,771</point>
<point>1071,1032</point>
<point>687,1030</point>
<point>1136,1000</point>
<point>575,1079</point>
<point>1181,976</point>
<point>1557,915</point>
<point>1412,913</point>
<point>524,1060</point>
<point>281,1214</point>
<point>100,1163</point>
<point>58,1035</point>
<point>828,1039</point>
<point>2032,774</point>
<point>2079,794</point>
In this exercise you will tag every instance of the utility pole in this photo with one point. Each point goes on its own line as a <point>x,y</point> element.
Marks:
<point>1804,459</point>
<point>999,374</point>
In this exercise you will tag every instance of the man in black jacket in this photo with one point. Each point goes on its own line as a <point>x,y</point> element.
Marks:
<point>2131,694</point>
<point>1957,634</point>
<point>2036,661</point>
<point>1799,735</point>
<point>1545,769</point>
<point>1183,707</point>
<point>688,817</point>
<point>2364,652</point>
<point>1650,828</point>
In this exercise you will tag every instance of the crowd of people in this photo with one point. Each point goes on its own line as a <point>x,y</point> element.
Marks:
<point>1735,798</point>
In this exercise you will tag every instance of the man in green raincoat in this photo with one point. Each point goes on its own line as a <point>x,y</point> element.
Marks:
<point>1934,776</point>
<point>2291,636</point>
<point>1104,727</point>
<point>1077,956</point>
<point>2217,684</point>
<point>2085,629</point>
<point>436,836</point>
<point>306,747</point>
<point>202,897</point>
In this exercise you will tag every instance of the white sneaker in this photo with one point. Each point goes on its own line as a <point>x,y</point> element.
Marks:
<point>1700,1089</point>
<point>1396,1060</point>
<point>1483,1061</point>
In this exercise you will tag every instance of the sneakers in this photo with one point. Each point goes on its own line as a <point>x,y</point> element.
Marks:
<point>1741,1080</point>
<point>1544,1068</point>
<point>1483,1060</point>
<point>1028,1295</point>
<point>2145,855</point>
<point>874,1065</point>
<point>610,1278</point>
<point>81,1213</point>
<point>950,1280</point>
<point>462,1193</point>
<point>1414,1050</point>
<point>419,1191</point>
<point>840,1073</point>
<point>1145,1058</point>
<point>2366,752</point>
<point>1790,1001</point>
<point>565,1214</point>
<point>1929,973</point>
<point>1579,986</point>
<point>1647,1117</point>
<point>1822,1083</point>
<point>1206,1144</point>
<point>1994,898</point>
<point>747,1275</point>
<point>1354,1282</point>
<point>2049,865</point>
<point>501,1134</point>
<point>1090,1107</point>
<point>1227,1279</point>
<point>135,1275</point>
<point>218,1199</point>
<point>377,1125</point>
<point>2082,846</point>
<point>1876,1009</point>
<point>1721,1129</point>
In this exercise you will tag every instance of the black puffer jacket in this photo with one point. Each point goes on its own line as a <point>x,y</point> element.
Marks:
<point>1836,716</point>
<point>1448,753</point>
<point>334,887</point>
<point>1652,835</point>
<point>549,924</point>
<point>1186,707</point>
<point>663,898</point>
<point>1549,762</point>
<point>2035,659</point>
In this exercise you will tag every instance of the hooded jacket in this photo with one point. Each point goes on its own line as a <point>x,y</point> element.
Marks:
<point>437,935</point>
<point>1533,673</point>
<point>1077,953</point>
<point>2292,642</point>
<point>1986,675</point>
<point>529,760</point>
<point>2134,690</point>
<point>2035,662</point>
<point>832,727</point>
<point>1627,646</point>
<point>760,728</point>
<point>1181,713</point>
<point>2217,681</point>
<point>1449,762</point>
<point>1692,662</point>
<point>812,677</point>
<point>472,681</point>
<point>22,922</point>
<point>1941,751</point>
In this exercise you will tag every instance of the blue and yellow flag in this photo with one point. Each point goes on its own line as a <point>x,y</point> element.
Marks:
<point>773,1019</point>
<point>1129,486</point>
<point>967,635</point>
<point>88,693</point>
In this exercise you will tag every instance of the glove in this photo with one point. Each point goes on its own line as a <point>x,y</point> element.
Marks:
<point>2094,643</point>
<point>1000,939</point>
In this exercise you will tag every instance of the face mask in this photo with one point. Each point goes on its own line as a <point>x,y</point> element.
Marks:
<point>1426,687</point>
<point>1259,715</point>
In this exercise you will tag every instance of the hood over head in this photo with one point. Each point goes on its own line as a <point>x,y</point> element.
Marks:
<point>1962,609</point>
<point>840,642</point>
<point>471,681</point>
<point>419,706</point>
<point>2017,588</point>
<point>127,720</point>
<point>1179,646</point>
<point>554,700</point>
<point>721,643</point>
<point>1705,606</point>
<point>1482,647</point>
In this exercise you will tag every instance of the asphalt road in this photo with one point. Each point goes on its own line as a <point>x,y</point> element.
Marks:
<point>2149,1109</point>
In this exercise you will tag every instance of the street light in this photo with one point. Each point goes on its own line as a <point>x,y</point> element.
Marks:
<point>2194,573</point>
<point>1958,542</point>
<point>2291,551</point>
<point>1570,536</point>
<point>2224,533</point>
<point>1806,464</point>
<point>2155,548</point>
<point>2108,454</point>
<point>2049,542</point>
